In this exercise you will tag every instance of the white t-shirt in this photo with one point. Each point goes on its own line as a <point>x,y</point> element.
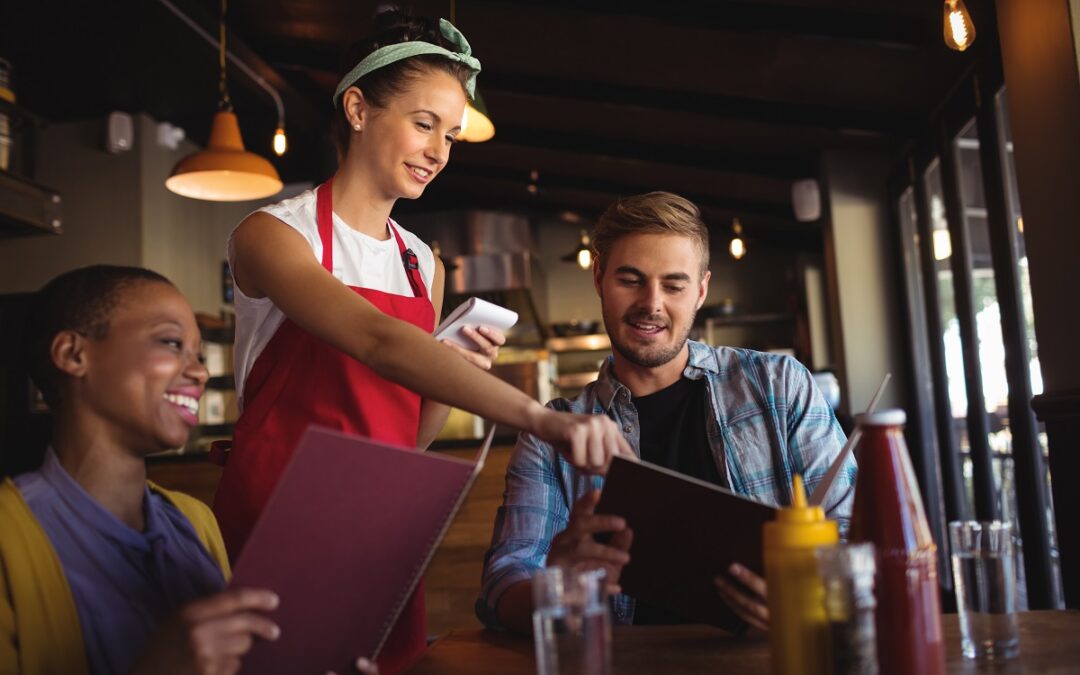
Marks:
<point>359,260</point>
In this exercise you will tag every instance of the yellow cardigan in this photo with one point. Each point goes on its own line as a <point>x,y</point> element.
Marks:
<point>39,625</point>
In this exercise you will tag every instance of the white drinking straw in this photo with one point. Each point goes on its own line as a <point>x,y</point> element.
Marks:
<point>823,487</point>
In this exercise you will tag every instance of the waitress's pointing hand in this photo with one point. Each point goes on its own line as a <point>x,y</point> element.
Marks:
<point>586,441</point>
<point>487,339</point>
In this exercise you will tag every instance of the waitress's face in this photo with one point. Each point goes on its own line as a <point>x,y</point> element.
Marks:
<point>407,143</point>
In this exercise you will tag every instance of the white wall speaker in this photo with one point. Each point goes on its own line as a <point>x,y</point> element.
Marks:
<point>119,132</point>
<point>806,200</point>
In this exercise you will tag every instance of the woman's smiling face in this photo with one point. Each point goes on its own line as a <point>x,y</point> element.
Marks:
<point>143,380</point>
<point>407,143</point>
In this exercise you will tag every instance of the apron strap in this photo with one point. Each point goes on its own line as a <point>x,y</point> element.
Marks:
<point>411,263</point>
<point>324,210</point>
<point>324,213</point>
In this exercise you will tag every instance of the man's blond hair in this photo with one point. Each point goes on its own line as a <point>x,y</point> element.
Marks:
<point>651,213</point>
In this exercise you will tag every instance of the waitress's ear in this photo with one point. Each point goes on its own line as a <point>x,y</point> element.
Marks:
<point>355,108</point>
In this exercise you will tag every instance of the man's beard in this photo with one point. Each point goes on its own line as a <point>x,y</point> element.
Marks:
<point>653,356</point>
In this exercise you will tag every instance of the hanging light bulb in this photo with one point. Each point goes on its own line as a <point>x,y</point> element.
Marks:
<point>959,30</point>
<point>280,143</point>
<point>224,171</point>
<point>942,245</point>
<point>582,254</point>
<point>584,258</point>
<point>737,248</point>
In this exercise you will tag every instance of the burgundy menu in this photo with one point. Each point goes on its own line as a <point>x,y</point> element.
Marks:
<point>343,541</point>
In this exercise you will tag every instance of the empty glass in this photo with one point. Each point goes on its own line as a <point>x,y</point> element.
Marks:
<point>984,569</point>
<point>571,622</point>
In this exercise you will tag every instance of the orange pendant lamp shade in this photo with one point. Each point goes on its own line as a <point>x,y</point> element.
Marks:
<point>224,171</point>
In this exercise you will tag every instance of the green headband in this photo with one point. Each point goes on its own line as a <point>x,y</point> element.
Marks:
<point>384,56</point>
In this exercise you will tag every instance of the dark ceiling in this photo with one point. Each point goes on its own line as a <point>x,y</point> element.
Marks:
<point>723,101</point>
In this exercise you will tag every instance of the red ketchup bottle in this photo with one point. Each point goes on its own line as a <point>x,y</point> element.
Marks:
<point>889,512</point>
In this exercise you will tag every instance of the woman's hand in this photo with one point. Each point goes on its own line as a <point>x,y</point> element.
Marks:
<point>488,340</point>
<point>749,603</point>
<point>586,441</point>
<point>209,636</point>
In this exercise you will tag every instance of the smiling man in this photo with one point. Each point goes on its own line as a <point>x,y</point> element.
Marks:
<point>741,419</point>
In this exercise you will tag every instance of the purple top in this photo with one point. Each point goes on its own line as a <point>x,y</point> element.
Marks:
<point>124,582</point>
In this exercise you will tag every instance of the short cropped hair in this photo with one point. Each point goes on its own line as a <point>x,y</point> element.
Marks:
<point>81,300</point>
<point>651,213</point>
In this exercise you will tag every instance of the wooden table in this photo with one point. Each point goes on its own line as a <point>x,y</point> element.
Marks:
<point>1049,643</point>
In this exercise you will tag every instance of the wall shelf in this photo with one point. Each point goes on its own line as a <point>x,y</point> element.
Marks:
<point>744,319</point>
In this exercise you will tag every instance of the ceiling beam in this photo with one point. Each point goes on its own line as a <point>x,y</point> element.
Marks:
<point>767,165</point>
<point>717,106</point>
<point>886,30</point>
<point>779,211</point>
<point>643,173</point>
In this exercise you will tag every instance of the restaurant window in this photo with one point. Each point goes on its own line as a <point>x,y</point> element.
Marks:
<point>1016,224</point>
<point>949,321</point>
<point>959,343</point>
<point>989,342</point>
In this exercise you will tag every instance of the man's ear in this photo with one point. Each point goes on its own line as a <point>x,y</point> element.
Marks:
<point>597,275</point>
<point>703,288</point>
<point>69,354</point>
<point>355,108</point>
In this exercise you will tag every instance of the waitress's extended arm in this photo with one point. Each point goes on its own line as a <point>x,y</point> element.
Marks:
<point>273,260</point>
<point>433,414</point>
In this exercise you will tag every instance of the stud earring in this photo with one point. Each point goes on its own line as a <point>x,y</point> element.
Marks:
<point>357,127</point>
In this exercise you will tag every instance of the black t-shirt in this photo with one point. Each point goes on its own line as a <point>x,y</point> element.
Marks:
<point>673,435</point>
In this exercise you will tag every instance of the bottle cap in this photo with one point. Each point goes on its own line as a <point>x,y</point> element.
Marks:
<point>799,512</point>
<point>800,525</point>
<point>893,417</point>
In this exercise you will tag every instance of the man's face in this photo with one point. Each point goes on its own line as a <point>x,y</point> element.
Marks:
<point>650,289</point>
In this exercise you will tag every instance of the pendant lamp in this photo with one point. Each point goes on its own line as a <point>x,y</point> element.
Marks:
<point>224,171</point>
<point>476,125</point>
<point>582,253</point>
<point>737,247</point>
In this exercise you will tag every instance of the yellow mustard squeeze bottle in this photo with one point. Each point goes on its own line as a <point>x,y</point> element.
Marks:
<point>798,625</point>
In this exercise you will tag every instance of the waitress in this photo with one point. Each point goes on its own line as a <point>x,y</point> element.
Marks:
<point>336,302</point>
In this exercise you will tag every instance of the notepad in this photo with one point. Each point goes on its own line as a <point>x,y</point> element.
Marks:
<point>343,541</point>
<point>474,312</point>
<point>686,532</point>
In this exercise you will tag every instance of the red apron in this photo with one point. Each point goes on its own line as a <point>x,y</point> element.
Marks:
<point>299,380</point>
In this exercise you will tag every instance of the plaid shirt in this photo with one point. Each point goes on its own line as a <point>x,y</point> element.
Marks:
<point>768,422</point>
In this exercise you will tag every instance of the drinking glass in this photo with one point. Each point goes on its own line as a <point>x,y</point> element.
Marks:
<point>571,622</point>
<point>984,569</point>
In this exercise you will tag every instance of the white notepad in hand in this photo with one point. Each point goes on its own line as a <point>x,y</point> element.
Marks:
<point>474,312</point>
